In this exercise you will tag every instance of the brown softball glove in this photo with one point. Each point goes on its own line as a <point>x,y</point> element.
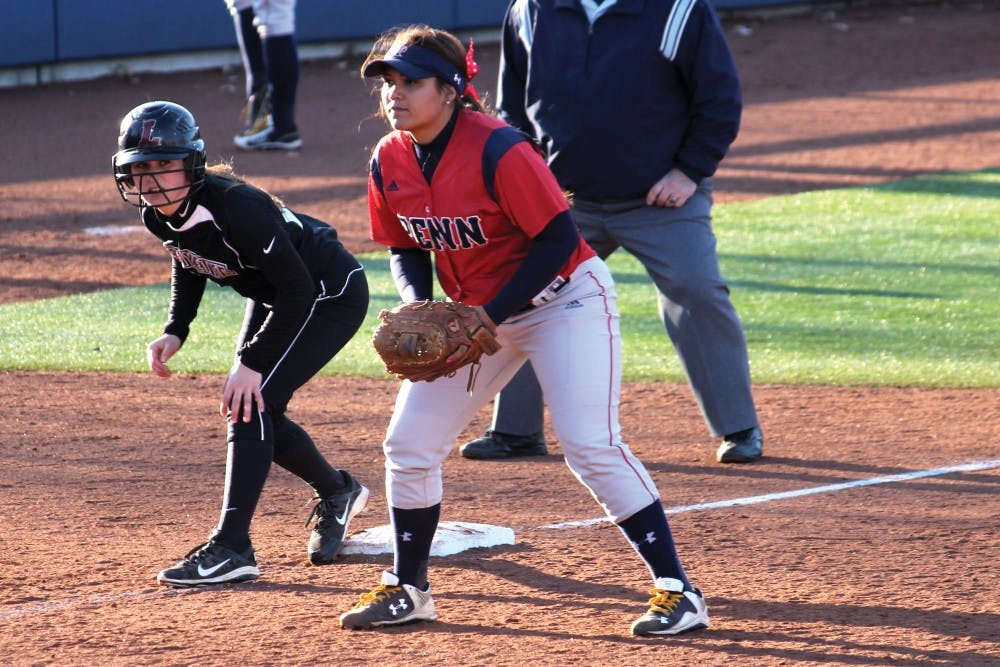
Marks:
<point>425,340</point>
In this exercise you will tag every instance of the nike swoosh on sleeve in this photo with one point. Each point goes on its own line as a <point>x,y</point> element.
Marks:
<point>270,246</point>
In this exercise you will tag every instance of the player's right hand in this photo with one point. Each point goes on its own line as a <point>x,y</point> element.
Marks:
<point>158,353</point>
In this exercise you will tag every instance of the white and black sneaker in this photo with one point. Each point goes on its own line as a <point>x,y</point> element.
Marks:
<point>268,139</point>
<point>211,563</point>
<point>672,610</point>
<point>333,517</point>
<point>390,603</point>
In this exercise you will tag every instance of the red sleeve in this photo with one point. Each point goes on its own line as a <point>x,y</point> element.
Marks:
<point>526,189</point>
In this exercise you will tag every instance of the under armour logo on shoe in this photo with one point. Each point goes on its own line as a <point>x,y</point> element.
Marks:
<point>399,607</point>
<point>407,537</point>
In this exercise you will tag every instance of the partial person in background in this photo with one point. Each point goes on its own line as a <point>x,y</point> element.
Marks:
<point>265,30</point>
<point>634,120</point>
<point>306,298</point>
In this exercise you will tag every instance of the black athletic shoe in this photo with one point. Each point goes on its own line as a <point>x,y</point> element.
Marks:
<point>390,603</point>
<point>211,563</point>
<point>268,140</point>
<point>496,445</point>
<point>672,610</point>
<point>742,447</point>
<point>333,516</point>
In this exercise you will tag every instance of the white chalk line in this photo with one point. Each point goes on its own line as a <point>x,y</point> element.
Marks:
<point>784,495</point>
<point>56,605</point>
<point>114,230</point>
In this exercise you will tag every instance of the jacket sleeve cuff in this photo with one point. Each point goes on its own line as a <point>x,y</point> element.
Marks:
<point>695,174</point>
<point>179,330</point>
<point>249,359</point>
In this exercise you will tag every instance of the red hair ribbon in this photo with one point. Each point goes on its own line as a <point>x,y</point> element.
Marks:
<point>471,70</point>
<point>471,67</point>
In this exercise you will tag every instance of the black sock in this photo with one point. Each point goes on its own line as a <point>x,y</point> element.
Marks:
<point>247,465</point>
<point>413,532</point>
<point>649,533</point>
<point>296,452</point>
<point>283,74</point>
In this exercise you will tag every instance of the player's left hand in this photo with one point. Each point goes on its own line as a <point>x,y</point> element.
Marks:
<point>425,340</point>
<point>240,392</point>
<point>671,191</point>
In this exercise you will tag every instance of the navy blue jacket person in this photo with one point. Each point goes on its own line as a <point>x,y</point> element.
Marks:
<point>635,103</point>
<point>306,298</point>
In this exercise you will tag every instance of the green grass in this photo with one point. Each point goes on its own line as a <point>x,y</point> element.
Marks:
<point>891,285</point>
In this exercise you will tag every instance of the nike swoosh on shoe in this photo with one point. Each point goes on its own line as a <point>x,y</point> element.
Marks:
<point>205,572</point>
<point>342,519</point>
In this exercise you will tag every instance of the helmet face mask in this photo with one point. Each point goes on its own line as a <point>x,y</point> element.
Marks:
<point>152,133</point>
<point>152,182</point>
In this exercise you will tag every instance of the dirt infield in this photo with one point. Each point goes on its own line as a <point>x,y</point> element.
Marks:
<point>877,547</point>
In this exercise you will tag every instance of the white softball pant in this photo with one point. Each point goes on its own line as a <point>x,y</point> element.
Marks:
<point>574,344</point>
<point>273,17</point>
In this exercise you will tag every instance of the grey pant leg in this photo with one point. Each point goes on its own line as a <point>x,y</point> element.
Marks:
<point>518,409</point>
<point>678,249</point>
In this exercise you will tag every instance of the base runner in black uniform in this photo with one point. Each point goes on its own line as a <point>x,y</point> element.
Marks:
<point>306,298</point>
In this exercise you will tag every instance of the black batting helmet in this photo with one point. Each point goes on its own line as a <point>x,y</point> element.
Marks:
<point>158,131</point>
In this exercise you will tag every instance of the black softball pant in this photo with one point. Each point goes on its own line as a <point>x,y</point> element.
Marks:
<point>332,321</point>
<point>335,316</point>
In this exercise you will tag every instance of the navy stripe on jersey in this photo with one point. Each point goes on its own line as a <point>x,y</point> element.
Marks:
<point>499,142</point>
<point>376,172</point>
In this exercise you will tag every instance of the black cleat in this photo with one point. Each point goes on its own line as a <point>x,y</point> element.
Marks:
<point>333,516</point>
<point>211,563</point>
<point>268,140</point>
<point>390,603</point>
<point>672,610</point>
<point>495,445</point>
<point>742,447</point>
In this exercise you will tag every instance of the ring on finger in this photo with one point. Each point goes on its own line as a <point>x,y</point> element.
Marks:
<point>672,199</point>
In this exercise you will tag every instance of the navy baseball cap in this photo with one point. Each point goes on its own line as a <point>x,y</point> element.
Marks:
<point>416,62</point>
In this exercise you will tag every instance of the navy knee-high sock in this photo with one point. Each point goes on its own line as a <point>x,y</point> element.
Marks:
<point>283,74</point>
<point>247,465</point>
<point>413,532</point>
<point>296,452</point>
<point>650,535</point>
<point>251,50</point>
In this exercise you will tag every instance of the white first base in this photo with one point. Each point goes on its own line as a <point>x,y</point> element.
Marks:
<point>451,538</point>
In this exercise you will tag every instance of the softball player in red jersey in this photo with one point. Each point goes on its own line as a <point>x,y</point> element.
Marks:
<point>453,183</point>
